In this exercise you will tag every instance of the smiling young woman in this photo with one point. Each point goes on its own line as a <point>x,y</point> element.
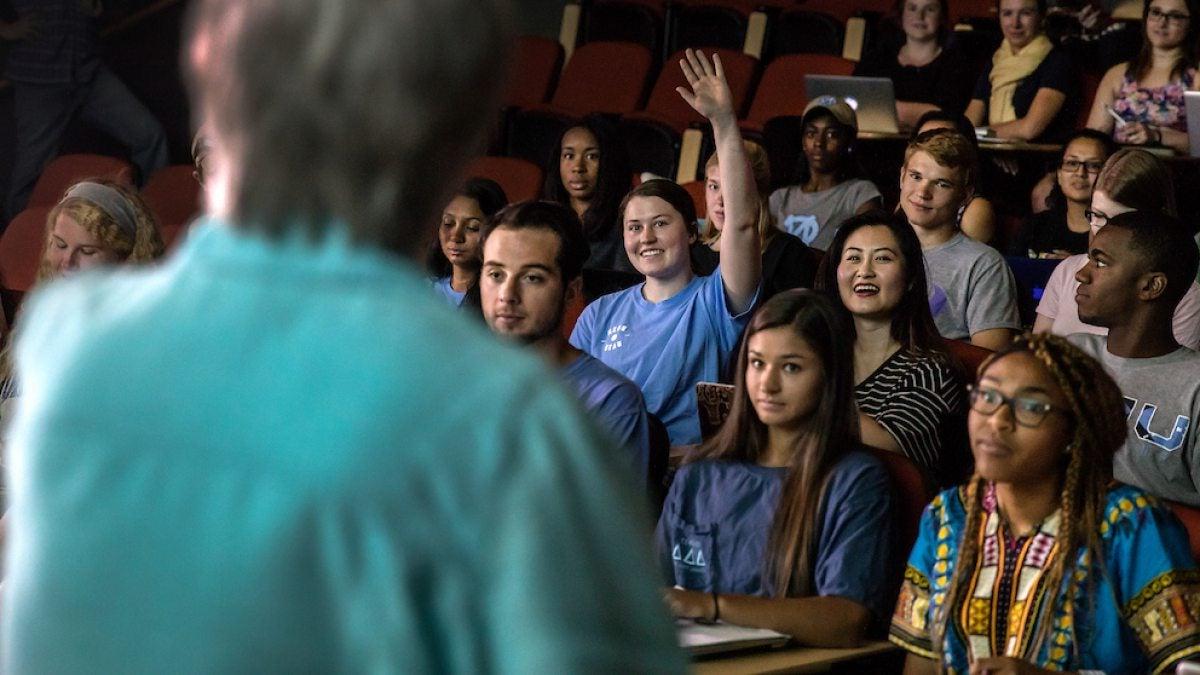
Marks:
<point>910,398</point>
<point>676,328</point>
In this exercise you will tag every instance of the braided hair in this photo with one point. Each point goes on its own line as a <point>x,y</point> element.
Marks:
<point>1097,411</point>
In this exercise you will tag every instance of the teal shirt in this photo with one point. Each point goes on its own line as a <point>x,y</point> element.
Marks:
<point>283,456</point>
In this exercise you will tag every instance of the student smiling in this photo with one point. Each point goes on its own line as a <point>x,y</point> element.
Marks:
<point>676,328</point>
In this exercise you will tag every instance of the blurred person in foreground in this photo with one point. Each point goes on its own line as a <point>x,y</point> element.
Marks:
<point>279,452</point>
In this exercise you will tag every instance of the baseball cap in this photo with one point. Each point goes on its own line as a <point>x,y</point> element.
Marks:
<point>838,108</point>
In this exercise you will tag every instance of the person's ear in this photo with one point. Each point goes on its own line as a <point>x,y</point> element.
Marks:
<point>574,290</point>
<point>1151,286</point>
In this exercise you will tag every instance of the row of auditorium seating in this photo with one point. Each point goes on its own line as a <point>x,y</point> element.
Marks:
<point>765,28</point>
<point>172,194</point>
<point>618,80</point>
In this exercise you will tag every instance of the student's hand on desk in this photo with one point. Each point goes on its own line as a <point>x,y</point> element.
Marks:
<point>710,94</point>
<point>689,604</point>
<point>1003,665</point>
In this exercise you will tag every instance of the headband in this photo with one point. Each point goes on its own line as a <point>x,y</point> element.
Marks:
<point>114,204</point>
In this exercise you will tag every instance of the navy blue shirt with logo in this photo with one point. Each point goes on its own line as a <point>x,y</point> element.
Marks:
<point>716,522</point>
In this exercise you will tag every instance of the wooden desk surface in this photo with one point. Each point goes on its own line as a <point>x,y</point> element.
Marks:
<point>787,659</point>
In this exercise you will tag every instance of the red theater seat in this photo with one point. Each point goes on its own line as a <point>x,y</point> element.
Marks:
<point>66,170</point>
<point>521,179</point>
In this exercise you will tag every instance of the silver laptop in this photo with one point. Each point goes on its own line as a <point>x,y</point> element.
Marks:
<point>1191,100</point>
<point>873,99</point>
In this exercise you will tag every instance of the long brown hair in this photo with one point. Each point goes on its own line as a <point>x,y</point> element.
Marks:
<point>832,432</point>
<point>1189,56</point>
<point>1097,412</point>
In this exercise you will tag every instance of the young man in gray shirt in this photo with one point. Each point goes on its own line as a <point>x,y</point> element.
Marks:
<point>1139,266</point>
<point>972,294</point>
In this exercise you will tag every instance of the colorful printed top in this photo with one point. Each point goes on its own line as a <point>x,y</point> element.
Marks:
<point>1161,106</point>
<point>1139,617</point>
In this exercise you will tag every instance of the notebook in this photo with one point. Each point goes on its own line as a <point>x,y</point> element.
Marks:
<point>713,402</point>
<point>700,639</point>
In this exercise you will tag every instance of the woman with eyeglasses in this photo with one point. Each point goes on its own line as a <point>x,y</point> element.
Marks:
<point>1063,229</point>
<point>1041,562</point>
<point>1131,180</point>
<point>1146,94</point>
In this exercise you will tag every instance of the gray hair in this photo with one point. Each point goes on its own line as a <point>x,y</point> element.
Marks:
<point>355,111</point>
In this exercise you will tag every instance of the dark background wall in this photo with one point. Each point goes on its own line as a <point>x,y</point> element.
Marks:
<point>141,43</point>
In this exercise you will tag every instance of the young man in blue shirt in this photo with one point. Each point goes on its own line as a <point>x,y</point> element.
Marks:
<point>280,452</point>
<point>533,254</point>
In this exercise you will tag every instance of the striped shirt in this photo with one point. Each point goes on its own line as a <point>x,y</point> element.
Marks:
<point>64,50</point>
<point>920,401</point>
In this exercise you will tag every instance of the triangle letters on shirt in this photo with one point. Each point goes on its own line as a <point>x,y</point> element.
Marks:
<point>690,558</point>
<point>675,553</point>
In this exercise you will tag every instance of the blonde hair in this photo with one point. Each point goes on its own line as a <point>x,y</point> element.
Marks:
<point>948,148</point>
<point>760,165</point>
<point>1138,180</point>
<point>144,246</point>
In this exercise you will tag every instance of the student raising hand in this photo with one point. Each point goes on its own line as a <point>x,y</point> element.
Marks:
<point>710,94</point>
<point>741,254</point>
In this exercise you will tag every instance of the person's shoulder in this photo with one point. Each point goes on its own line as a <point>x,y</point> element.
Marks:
<point>858,185</point>
<point>858,469</point>
<point>610,303</point>
<point>612,386</point>
<point>1115,74</point>
<point>86,308</point>
<point>693,475</point>
<point>1093,345</point>
<point>948,503</point>
<point>1057,58</point>
<point>968,252</point>
<point>923,365</point>
<point>1127,508</point>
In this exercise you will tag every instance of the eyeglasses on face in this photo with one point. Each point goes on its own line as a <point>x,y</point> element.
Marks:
<point>1028,412</point>
<point>1176,18</point>
<point>1095,218</point>
<point>1074,165</point>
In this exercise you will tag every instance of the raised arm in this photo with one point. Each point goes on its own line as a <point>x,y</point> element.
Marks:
<point>741,256</point>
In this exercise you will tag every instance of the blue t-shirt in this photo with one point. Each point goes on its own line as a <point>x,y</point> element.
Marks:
<point>616,405</point>
<point>665,347</point>
<point>276,456</point>
<point>716,522</point>
<point>446,290</point>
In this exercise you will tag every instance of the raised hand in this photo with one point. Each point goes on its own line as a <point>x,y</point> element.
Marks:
<point>709,93</point>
